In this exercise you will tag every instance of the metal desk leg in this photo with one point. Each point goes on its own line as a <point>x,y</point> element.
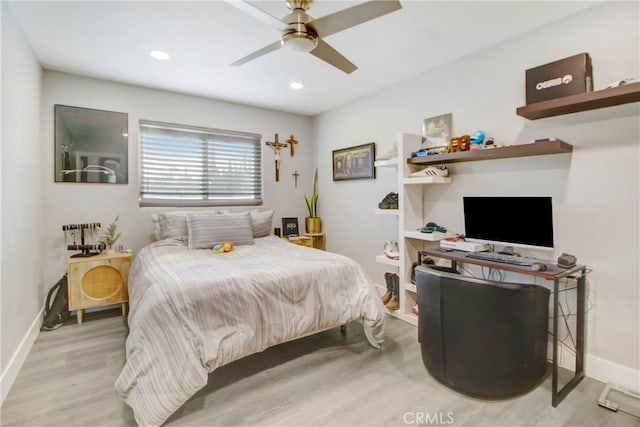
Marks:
<point>558,396</point>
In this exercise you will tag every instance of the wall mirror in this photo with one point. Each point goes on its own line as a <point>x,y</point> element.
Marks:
<point>91,145</point>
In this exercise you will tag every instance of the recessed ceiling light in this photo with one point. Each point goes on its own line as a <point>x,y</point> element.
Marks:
<point>158,54</point>
<point>296,85</point>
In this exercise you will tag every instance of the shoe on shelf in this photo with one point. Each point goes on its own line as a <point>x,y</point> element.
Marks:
<point>431,171</point>
<point>432,227</point>
<point>391,249</point>
<point>390,201</point>
<point>391,154</point>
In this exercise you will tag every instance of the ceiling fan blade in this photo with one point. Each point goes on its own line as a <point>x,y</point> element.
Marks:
<point>333,57</point>
<point>353,16</point>
<point>258,14</point>
<point>258,53</point>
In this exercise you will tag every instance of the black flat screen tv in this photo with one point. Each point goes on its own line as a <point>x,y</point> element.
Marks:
<point>513,221</point>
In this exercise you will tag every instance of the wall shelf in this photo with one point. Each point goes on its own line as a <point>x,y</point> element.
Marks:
<point>387,211</point>
<point>581,102</point>
<point>382,259</point>
<point>385,163</point>
<point>521,150</point>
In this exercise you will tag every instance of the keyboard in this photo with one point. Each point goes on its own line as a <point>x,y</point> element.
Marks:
<point>503,258</point>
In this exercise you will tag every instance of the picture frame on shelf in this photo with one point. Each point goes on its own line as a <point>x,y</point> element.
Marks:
<point>290,227</point>
<point>436,131</point>
<point>354,162</point>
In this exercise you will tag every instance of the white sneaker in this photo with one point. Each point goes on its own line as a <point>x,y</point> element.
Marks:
<point>391,154</point>
<point>391,250</point>
<point>431,171</point>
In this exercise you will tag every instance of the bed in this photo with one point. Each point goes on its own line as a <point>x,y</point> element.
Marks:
<point>193,310</point>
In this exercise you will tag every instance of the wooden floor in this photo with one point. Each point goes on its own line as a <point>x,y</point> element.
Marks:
<point>323,380</point>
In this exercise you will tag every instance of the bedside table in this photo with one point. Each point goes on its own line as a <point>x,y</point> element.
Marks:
<point>319,240</point>
<point>98,281</point>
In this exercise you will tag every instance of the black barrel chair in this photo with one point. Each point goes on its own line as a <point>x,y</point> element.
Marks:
<point>483,338</point>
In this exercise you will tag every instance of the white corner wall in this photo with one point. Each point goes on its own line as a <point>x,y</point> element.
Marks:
<point>22,208</point>
<point>595,189</point>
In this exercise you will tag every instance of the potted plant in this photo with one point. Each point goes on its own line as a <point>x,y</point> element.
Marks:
<point>312,222</point>
<point>108,237</point>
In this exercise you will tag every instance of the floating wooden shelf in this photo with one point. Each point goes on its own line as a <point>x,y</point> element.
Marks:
<point>522,150</point>
<point>582,102</point>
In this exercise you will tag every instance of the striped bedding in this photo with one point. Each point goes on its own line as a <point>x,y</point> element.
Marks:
<point>192,311</point>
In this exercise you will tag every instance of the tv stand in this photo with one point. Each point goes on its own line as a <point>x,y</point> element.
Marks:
<point>555,273</point>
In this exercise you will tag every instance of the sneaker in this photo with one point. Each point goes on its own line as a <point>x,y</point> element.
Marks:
<point>431,171</point>
<point>391,154</point>
<point>390,201</point>
<point>432,227</point>
<point>391,249</point>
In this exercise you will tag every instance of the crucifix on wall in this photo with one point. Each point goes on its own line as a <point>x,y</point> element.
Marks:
<point>276,146</point>
<point>292,141</point>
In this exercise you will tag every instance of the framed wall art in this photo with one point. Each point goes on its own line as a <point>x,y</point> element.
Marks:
<point>436,131</point>
<point>91,145</point>
<point>354,162</point>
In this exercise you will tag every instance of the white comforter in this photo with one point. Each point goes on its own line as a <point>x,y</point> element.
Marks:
<point>192,311</point>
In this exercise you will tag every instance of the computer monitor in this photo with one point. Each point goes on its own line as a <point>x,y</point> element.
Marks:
<point>512,221</point>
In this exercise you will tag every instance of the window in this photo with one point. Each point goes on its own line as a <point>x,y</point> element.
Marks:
<point>191,166</point>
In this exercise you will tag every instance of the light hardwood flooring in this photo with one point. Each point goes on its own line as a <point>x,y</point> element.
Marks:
<point>328,379</point>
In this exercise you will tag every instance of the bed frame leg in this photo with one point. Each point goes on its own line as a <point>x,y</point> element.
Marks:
<point>343,329</point>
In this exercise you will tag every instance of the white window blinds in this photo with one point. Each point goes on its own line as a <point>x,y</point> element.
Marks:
<point>190,166</point>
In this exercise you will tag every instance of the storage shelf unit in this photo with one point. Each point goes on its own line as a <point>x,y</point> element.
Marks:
<point>521,150</point>
<point>581,102</point>
<point>427,180</point>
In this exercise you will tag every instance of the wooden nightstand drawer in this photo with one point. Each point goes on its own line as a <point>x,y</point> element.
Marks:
<point>98,281</point>
<point>302,241</point>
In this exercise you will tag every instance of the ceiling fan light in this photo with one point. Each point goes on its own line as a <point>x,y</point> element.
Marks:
<point>299,42</point>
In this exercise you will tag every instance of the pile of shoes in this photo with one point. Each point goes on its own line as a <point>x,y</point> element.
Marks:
<point>390,201</point>
<point>391,299</point>
<point>431,171</point>
<point>391,249</point>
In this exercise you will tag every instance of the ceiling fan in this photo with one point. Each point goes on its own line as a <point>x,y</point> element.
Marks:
<point>302,33</point>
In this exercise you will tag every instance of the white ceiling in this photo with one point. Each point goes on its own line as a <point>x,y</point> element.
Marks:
<point>112,39</point>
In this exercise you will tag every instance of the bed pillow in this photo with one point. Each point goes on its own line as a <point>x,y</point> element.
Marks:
<point>173,224</point>
<point>207,230</point>
<point>261,222</point>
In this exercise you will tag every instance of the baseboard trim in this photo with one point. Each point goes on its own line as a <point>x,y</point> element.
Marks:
<point>613,373</point>
<point>10,373</point>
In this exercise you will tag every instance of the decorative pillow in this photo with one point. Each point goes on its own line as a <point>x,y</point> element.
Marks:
<point>207,230</point>
<point>173,224</point>
<point>261,222</point>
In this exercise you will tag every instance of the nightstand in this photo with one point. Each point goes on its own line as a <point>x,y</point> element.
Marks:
<point>98,281</point>
<point>319,240</point>
<point>301,240</point>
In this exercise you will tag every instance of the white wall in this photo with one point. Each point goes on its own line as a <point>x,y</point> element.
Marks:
<point>21,286</point>
<point>81,202</point>
<point>595,189</point>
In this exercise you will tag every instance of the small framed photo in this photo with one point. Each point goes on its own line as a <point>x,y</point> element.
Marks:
<point>436,131</point>
<point>354,162</point>
<point>290,227</point>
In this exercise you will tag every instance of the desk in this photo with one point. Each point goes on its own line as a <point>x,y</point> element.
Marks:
<point>555,273</point>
